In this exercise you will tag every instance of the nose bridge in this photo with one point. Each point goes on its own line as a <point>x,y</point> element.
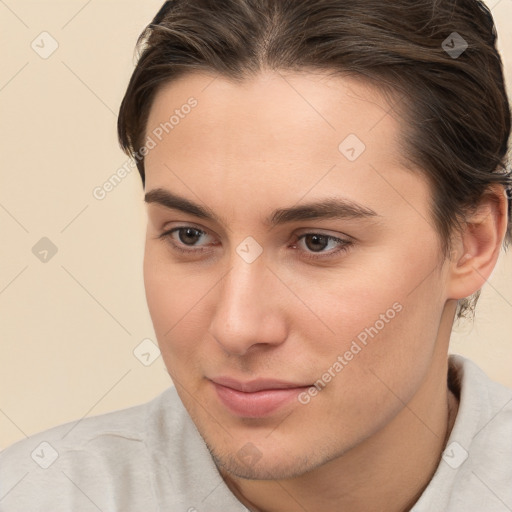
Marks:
<point>246,311</point>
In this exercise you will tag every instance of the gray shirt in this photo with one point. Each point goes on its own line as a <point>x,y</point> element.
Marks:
<point>152,458</point>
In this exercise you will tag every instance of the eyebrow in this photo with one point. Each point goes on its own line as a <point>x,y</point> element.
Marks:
<point>329,208</point>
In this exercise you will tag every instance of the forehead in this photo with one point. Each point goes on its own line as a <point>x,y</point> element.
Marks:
<point>276,114</point>
<point>278,136</point>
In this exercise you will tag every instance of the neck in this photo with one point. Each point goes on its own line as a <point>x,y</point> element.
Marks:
<point>388,471</point>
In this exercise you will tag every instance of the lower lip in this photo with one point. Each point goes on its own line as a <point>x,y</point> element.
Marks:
<point>256,404</point>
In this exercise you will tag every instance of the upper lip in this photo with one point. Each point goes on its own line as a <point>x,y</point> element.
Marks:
<point>256,385</point>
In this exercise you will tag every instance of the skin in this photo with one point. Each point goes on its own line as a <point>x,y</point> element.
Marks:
<point>272,142</point>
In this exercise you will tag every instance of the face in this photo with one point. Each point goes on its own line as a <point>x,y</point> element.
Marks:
<point>341,303</point>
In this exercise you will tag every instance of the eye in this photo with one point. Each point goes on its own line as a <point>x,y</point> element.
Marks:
<point>319,241</point>
<point>182,237</point>
<point>187,236</point>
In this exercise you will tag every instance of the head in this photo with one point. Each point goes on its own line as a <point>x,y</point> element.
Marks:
<point>324,179</point>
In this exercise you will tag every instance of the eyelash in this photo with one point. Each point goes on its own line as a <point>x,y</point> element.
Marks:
<point>344,244</point>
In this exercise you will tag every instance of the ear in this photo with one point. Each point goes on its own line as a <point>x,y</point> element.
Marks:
<point>476,249</point>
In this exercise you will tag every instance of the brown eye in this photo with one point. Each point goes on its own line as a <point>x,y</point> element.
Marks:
<point>317,242</point>
<point>189,235</point>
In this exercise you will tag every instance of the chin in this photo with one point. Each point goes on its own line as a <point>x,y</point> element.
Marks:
<point>272,468</point>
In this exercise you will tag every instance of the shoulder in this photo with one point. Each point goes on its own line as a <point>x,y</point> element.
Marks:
<point>78,461</point>
<point>474,472</point>
<point>484,400</point>
<point>484,424</point>
<point>125,423</point>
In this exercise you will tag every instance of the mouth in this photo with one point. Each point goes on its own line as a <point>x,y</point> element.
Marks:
<point>258,398</point>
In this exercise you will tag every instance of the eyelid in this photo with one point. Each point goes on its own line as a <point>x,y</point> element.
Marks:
<point>344,244</point>
<point>297,233</point>
<point>170,231</point>
<point>324,232</point>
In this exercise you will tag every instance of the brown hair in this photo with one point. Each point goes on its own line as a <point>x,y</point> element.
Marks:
<point>453,97</point>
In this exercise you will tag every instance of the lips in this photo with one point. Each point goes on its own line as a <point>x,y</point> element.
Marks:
<point>257,398</point>
<point>256,385</point>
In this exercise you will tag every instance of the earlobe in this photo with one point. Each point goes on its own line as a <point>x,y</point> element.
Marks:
<point>478,244</point>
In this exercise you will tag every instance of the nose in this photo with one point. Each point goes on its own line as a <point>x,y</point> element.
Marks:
<point>250,308</point>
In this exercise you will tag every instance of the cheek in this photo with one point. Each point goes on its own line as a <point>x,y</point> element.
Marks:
<point>375,365</point>
<point>385,318</point>
<point>160,295</point>
<point>167,295</point>
<point>358,300</point>
<point>176,298</point>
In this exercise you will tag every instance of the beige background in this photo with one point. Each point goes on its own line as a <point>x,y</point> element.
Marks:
<point>69,326</point>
